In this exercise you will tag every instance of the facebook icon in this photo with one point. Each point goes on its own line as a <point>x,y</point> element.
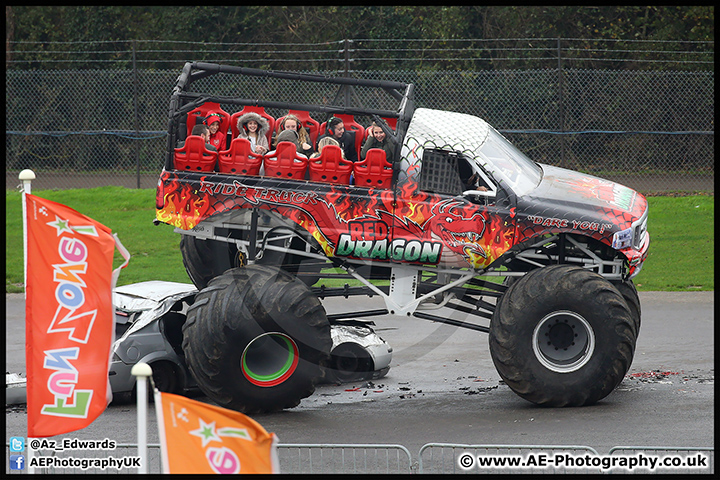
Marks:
<point>17,462</point>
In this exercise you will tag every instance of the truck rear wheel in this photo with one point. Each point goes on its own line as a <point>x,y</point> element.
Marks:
<point>256,339</point>
<point>562,336</point>
<point>205,259</point>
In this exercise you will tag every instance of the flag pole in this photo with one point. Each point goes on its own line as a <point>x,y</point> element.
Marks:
<point>142,371</point>
<point>27,176</point>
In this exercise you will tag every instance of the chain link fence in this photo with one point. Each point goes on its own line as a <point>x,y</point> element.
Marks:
<point>650,130</point>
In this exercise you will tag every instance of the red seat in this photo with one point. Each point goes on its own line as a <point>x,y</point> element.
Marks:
<point>260,111</point>
<point>285,162</point>
<point>194,156</point>
<point>198,116</point>
<point>374,171</point>
<point>311,125</point>
<point>350,126</point>
<point>392,123</point>
<point>240,159</point>
<point>330,166</point>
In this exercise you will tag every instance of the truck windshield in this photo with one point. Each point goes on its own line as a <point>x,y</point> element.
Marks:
<point>505,162</point>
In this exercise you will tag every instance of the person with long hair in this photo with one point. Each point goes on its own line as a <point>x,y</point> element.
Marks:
<point>254,127</point>
<point>327,141</point>
<point>292,122</point>
<point>378,139</point>
<point>335,128</point>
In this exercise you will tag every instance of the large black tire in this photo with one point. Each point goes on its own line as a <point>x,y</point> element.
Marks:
<point>630,294</point>
<point>257,339</point>
<point>562,336</point>
<point>206,259</point>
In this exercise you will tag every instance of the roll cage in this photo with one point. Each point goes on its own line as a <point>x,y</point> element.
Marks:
<point>346,100</point>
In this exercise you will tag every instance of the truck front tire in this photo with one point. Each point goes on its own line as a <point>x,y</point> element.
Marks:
<point>629,292</point>
<point>562,336</point>
<point>257,339</point>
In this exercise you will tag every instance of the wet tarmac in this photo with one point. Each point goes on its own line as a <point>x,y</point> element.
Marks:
<point>443,387</point>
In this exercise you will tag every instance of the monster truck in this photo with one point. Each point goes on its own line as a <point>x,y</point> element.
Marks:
<point>539,257</point>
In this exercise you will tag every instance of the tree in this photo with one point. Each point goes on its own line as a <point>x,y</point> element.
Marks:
<point>378,32</point>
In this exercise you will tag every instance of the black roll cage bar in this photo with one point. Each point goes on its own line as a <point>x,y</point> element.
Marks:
<point>183,101</point>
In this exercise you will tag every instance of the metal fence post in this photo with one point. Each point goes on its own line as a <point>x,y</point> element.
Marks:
<point>136,113</point>
<point>346,89</point>
<point>346,49</point>
<point>561,106</point>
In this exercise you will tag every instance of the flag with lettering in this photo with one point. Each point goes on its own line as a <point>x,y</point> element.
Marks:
<point>69,316</point>
<point>199,438</point>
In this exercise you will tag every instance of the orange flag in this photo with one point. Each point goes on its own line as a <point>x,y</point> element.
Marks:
<point>68,316</point>
<point>199,438</point>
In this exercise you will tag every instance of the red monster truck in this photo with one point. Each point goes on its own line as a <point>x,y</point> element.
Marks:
<point>539,257</point>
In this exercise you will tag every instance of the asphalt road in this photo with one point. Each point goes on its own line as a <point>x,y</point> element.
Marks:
<point>443,387</point>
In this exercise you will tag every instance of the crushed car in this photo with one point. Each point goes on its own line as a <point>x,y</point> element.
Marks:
<point>149,317</point>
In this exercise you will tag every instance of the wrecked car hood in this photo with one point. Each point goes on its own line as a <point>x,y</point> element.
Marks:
<point>153,298</point>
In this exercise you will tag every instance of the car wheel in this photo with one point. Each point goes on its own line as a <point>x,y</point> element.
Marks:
<point>350,363</point>
<point>166,377</point>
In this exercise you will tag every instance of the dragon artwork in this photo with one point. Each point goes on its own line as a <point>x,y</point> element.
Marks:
<point>410,227</point>
<point>451,235</point>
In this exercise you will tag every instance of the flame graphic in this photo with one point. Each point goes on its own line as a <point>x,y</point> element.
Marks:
<point>325,213</point>
<point>181,206</point>
<point>501,238</point>
<point>474,258</point>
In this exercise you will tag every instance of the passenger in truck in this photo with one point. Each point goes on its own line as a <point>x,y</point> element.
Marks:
<point>336,129</point>
<point>201,131</point>
<point>291,122</point>
<point>378,139</point>
<point>287,136</point>
<point>327,141</point>
<point>217,137</point>
<point>254,127</point>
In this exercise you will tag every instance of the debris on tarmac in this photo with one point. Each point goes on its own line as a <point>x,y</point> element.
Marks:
<point>478,390</point>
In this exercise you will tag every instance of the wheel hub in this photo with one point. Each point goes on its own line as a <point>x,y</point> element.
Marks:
<point>269,359</point>
<point>560,336</point>
<point>563,341</point>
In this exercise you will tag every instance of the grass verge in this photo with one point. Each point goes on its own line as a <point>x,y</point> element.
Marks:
<point>128,212</point>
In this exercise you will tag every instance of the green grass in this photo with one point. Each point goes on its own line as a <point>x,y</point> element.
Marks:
<point>682,245</point>
<point>681,230</point>
<point>155,250</point>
